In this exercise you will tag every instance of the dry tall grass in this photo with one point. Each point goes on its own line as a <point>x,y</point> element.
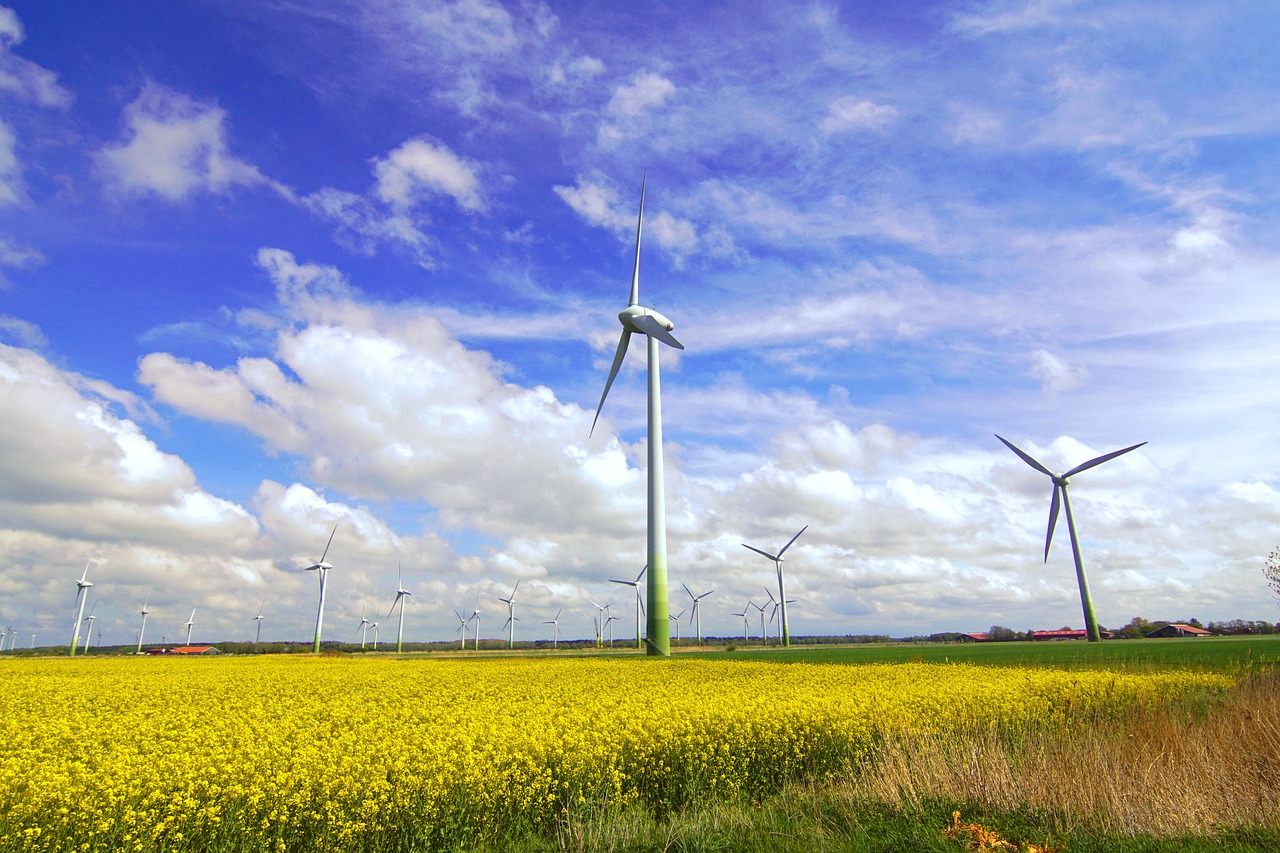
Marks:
<point>1158,770</point>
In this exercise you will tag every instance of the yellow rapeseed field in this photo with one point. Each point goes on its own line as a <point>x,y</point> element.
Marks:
<point>287,753</point>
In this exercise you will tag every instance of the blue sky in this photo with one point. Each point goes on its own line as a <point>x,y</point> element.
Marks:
<point>268,266</point>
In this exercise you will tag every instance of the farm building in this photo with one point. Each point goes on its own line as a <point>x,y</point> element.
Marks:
<point>1068,634</point>
<point>973,638</point>
<point>1179,630</point>
<point>194,650</point>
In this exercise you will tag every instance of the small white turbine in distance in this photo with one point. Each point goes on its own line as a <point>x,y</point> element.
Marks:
<point>143,629</point>
<point>82,595</point>
<point>1060,489</point>
<point>258,621</point>
<point>511,616</point>
<point>675,622</point>
<point>364,627</point>
<point>475,614</point>
<point>555,629</point>
<point>374,628</point>
<point>635,584</point>
<point>696,616</point>
<point>322,568</point>
<point>88,637</point>
<point>401,595</point>
<point>190,624</point>
<point>656,328</point>
<point>782,586</point>
<point>462,630</point>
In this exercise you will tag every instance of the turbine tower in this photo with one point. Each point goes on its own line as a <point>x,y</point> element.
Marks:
<point>696,616</point>
<point>656,328</point>
<point>462,630</point>
<point>511,617</point>
<point>475,614</point>
<point>88,637</point>
<point>1060,495</point>
<point>258,621</point>
<point>401,594</point>
<point>142,630</point>
<point>190,624</point>
<point>82,595</point>
<point>322,568</point>
<point>782,586</point>
<point>635,584</point>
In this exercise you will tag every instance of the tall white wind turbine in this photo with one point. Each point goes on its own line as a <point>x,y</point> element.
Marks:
<point>143,629</point>
<point>258,621</point>
<point>1060,489</point>
<point>656,328</point>
<point>401,595</point>
<point>322,568</point>
<point>782,586</point>
<point>696,616</point>
<point>635,584</point>
<point>190,624</point>
<point>82,595</point>
<point>511,616</point>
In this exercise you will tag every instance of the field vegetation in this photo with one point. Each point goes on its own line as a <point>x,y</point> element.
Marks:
<point>580,753</point>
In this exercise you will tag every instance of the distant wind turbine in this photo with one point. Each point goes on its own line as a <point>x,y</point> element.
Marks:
<point>82,595</point>
<point>462,630</point>
<point>696,615</point>
<point>511,616</point>
<point>401,595</point>
<point>190,624</point>
<point>475,614</point>
<point>364,627</point>
<point>322,568</point>
<point>764,639</point>
<point>675,621</point>
<point>258,621</point>
<point>609,621</point>
<point>635,584</point>
<point>656,328</point>
<point>782,586</point>
<point>143,629</point>
<point>555,629</point>
<point>746,626</point>
<point>374,628</point>
<point>88,637</point>
<point>1060,495</point>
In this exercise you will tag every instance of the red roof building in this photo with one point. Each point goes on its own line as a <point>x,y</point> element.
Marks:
<point>1179,630</point>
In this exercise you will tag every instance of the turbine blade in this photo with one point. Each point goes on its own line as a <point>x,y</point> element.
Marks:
<point>1099,460</point>
<point>1053,520</point>
<point>793,539</point>
<point>327,544</point>
<point>635,270</point>
<point>618,356</point>
<point>686,589</point>
<point>1027,459</point>
<point>642,571</point>
<point>651,327</point>
<point>758,551</point>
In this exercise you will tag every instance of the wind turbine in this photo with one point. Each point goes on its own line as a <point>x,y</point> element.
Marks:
<point>82,595</point>
<point>764,639</point>
<point>401,594</point>
<point>88,637</point>
<point>142,630</point>
<point>190,623</point>
<point>782,586</point>
<point>374,626</point>
<point>323,568</point>
<point>635,584</point>
<point>656,328</point>
<point>555,629</point>
<point>364,627</point>
<point>675,620</point>
<point>257,620</point>
<point>746,626</point>
<point>610,622</point>
<point>775,607</point>
<point>462,630</point>
<point>511,616</point>
<point>696,615</point>
<point>475,614</point>
<point>1060,489</point>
